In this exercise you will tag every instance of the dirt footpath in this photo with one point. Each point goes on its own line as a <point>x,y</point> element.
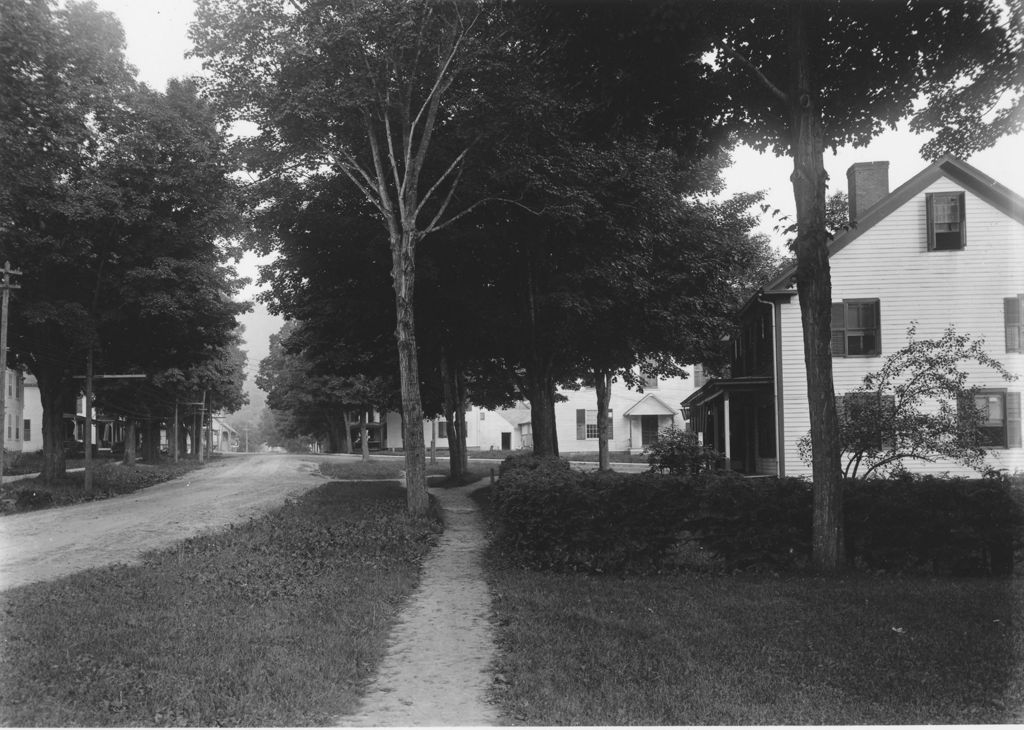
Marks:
<point>52,543</point>
<point>438,667</point>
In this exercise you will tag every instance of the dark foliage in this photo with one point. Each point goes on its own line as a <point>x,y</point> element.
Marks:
<point>944,526</point>
<point>678,452</point>
<point>529,462</point>
<point>929,525</point>
<point>553,517</point>
<point>754,522</point>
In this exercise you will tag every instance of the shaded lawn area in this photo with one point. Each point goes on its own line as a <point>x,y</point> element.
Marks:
<point>277,622</point>
<point>373,469</point>
<point>706,648</point>
<point>392,469</point>
<point>110,478</point>
<point>695,649</point>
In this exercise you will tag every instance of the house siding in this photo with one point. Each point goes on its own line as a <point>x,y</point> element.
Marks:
<point>626,434</point>
<point>482,434</point>
<point>891,262</point>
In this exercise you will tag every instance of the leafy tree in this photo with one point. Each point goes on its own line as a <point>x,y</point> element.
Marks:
<point>917,407</point>
<point>809,75</point>
<point>116,217</point>
<point>796,77</point>
<point>316,401</point>
<point>359,89</point>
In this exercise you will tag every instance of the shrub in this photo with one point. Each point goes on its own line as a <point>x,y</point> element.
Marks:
<point>553,517</point>
<point>529,462</point>
<point>754,522</point>
<point>927,525</point>
<point>946,526</point>
<point>678,452</point>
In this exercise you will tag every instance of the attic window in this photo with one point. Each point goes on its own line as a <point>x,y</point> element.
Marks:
<point>945,221</point>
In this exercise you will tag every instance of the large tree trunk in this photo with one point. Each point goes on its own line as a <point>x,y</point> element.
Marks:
<point>364,436</point>
<point>461,399</point>
<point>337,434</point>
<point>54,391</point>
<point>456,430</point>
<point>151,441</point>
<point>541,393</point>
<point>347,428</point>
<point>602,385</point>
<point>403,273</point>
<point>814,288</point>
<point>130,439</point>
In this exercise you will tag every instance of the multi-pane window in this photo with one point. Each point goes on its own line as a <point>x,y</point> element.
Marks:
<point>442,429</point>
<point>650,382</point>
<point>586,424</point>
<point>856,325</point>
<point>998,418</point>
<point>1013,319</point>
<point>945,221</point>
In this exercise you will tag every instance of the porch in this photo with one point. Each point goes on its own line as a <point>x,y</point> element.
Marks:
<point>736,417</point>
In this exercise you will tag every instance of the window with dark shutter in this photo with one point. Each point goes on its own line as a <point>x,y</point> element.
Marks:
<point>997,417</point>
<point>945,221</point>
<point>1013,319</point>
<point>856,328</point>
<point>581,424</point>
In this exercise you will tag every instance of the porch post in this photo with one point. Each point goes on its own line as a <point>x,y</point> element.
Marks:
<point>728,433</point>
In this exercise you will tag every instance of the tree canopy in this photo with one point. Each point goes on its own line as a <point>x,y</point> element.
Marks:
<point>119,216</point>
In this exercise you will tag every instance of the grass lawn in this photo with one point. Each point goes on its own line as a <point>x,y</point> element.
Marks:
<point>109,478</point>
<point>389,469</point>
<point>277,622</point>
<point>373,469</point>
<point>710,649</point>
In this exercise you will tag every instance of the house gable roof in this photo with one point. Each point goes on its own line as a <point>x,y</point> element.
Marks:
<point>972,179</point>
<point>650,405</point>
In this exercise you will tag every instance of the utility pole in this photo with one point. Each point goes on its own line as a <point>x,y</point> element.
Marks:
<point>6,286</point>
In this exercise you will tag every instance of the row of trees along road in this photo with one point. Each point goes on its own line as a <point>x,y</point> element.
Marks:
<point>414,103</point>
<point>113,201</point>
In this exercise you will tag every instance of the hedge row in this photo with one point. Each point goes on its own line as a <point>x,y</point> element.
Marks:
<point>550,516</point>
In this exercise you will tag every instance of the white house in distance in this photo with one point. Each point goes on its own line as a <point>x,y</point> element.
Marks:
<point>635,421</point>
<point>17,420</point>
<point>946,247</point>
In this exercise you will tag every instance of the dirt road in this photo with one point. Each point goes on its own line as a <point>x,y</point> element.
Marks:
<point>44,545</point>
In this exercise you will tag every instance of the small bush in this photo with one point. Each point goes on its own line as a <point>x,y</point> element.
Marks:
<point>678,452</point>
<point>553,517</point>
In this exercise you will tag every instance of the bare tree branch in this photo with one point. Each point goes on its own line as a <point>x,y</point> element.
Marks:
<point>757,73</point>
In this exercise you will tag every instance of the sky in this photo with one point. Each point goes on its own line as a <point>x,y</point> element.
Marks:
<point>157,40</point>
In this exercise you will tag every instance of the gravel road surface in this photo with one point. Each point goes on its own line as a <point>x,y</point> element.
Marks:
<point>52,543</point>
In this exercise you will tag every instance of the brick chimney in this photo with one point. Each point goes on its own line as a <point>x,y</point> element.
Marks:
<point>868,183</point>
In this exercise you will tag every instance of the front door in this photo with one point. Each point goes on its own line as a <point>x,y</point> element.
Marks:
<point>506,440</point>
<point>648,430</point>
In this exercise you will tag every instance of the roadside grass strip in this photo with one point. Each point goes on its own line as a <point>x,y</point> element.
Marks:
<point>110,478</point>
<point>372,469</point>
<point>700,649</point>
<point>277,622</point>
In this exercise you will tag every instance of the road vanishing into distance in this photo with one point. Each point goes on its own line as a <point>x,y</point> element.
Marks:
<point>51,543</point>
